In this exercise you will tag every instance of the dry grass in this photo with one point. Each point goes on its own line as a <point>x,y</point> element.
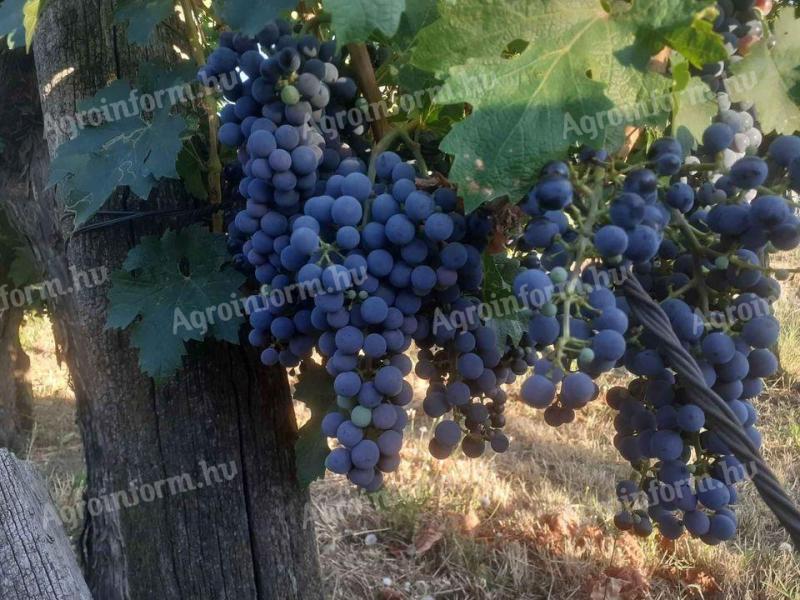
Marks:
<point>536,523</point>
<point>533,523</point>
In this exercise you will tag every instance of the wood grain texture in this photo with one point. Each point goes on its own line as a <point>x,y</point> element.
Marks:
<point>36,559</point>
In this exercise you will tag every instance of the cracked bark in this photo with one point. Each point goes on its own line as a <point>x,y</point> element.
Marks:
<point>35,552</point>
<point>246,537</point>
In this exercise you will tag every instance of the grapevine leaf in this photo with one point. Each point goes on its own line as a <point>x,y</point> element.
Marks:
<point>356,20</point>
<point>418,14</point>
<point>680,25</point>
<point>142,17</point>
<point>515,126</point>
<point>482,29</point>
<point>313,388</point>
<point>698,42</point>
<point>155,75</point>
<point>499,273</point>
<point>127,151</point>
<point>164,284</point>
<point>192,172</point>
<point>771,78</point>
<point>12,26</point>
<point>509,326</point>
<point>581,82</point>
<point>250,16</point>
<point>695,109</point>
<point>681,75</point>
<point>664,16</point>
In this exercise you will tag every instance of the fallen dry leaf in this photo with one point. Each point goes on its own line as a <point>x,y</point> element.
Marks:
<point>607,588</point>
<point>427,535</point>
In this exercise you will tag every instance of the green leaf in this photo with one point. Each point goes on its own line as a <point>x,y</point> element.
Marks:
<point>484,28</point>
<point>155,75</point>
<point>695,107</point>
<point>418,14</point>
<point>128,151</point>
<point>771,78</point>
<point>12,26</point>
<point>142,17</point>
<point>168,293</point>
<point>356,20</point>
<point>681,74</point>
<point>516,126</point>
<point>509,326</point>
<point>581,80</point>
<point>250,16</point>
<point>499,273</point>
<point>192,173</point>
<point>314,388</point>
<point>698,42</point>
<point>680,25</point>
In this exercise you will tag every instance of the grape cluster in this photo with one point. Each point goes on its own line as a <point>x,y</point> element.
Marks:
<point>703,256</point>
<point>362,266</point>
<point>280,88</point>
<point>466,368</point>
<point>370,263</point>
<point>689,478</point>
<point>741,24</point>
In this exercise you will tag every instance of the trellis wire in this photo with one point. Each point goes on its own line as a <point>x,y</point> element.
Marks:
<point>650,314</point>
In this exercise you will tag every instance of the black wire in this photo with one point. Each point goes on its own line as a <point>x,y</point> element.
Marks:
<point>124,216</point>
<point>650,314</point>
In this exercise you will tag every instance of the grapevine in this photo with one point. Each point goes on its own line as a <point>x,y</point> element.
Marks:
<point>389,259</point>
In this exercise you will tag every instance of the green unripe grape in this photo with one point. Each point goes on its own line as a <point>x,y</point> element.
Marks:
<point>351,294</point>
<point>586,355</point>
<point>289,95</point>
<point>781,275</point>
<point>614,260</point>
<point>362,295</point>
<point>558,275</point>
<point>345,403</point>
<point>549,310</point>
<point>722,262</point>
<point>361,416</point>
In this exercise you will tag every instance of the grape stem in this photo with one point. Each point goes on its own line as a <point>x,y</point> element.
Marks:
<point>365,75</point>
<point>393,134</point>
<point>587,228</point>
<point>214,164</point>
<point>698,250</point>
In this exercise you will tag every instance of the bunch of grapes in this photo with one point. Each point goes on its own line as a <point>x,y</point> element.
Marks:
<point>466,366</point>
<point>369,263</point>
<point>698,242</point>
<point>285,94</point>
